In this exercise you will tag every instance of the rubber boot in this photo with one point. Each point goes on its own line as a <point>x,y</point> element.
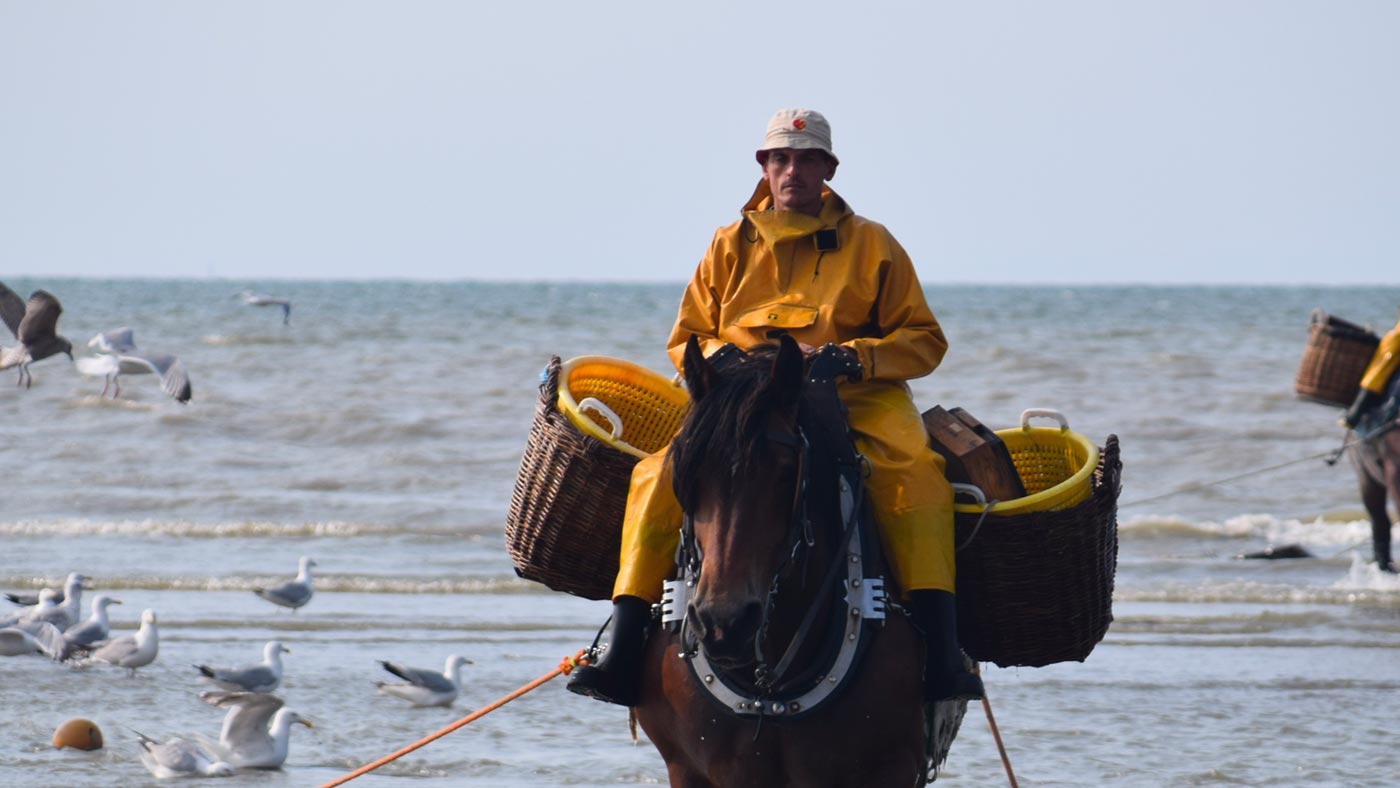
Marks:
<point>1365,400</point>
<point>946,676</point>
<point>1380,548</point>
<point>616,676</point>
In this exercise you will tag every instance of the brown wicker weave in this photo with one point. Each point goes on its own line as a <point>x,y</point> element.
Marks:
<point>1037,588</point>
<point>564,528</point>
<point>1334,359</point>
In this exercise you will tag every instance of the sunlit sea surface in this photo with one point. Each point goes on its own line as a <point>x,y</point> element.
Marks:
<point>380,433</point>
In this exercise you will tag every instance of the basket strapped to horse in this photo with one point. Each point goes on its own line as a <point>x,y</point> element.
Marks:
<point>564,526</point>
<point>1334,360</point>
<point>1034,574</point>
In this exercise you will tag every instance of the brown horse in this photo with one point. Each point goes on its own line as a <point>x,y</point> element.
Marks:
<point>778,594</point>
<point>1377,463</point>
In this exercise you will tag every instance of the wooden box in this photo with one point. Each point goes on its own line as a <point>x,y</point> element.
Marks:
<point>973,453</point>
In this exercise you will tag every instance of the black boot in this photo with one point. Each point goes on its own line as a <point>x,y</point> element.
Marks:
<point>1365,400</point>
<point>946,676</point>
<point>617,673</point>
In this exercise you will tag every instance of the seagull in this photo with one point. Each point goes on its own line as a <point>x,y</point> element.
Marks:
<point>47,607</point>
<point>114,342</point>
<point>132,651</point>
<point>425,687</point>
<point>96,628</point>
<point>173,378</point>
<point>255,299</point>
<point>37,637</point>
<point>35,325</point>
<point>293,593</point>
<point>256,728</point>
<point>262,676</point>
<point>72,605</point>
<point>176,757</point>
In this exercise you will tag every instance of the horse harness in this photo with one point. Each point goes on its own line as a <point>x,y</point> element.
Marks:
<point>862,607</point>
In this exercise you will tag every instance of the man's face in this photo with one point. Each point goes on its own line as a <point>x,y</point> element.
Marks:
<point>796,176</point>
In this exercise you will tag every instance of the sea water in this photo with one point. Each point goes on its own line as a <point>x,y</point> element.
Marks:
<point>380,432</point>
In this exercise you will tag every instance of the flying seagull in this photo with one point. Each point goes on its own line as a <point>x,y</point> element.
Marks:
<point>35,325</point>
<point>177,757</point>
<point>425,687</point>
<point>173,378</point>
<point>256,729</point>
<point>262,676</point>
<point>293,593</point>
<point>255,299</point>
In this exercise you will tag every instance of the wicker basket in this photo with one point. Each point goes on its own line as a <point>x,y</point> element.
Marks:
<point>564,527</point>
<point>1036,587</point>
<point>1334,359</point>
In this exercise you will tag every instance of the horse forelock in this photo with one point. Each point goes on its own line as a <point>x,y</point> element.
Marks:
<point>725,431</point>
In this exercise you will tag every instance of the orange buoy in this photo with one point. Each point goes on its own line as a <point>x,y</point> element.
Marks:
<point>79,734</point>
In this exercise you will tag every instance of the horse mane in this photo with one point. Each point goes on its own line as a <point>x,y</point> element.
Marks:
<point>726,428</point>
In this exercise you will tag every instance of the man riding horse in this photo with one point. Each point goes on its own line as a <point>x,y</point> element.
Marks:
<point>800,262</point>
<point>1382,366</point>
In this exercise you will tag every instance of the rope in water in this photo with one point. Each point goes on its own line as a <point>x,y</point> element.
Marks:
<point>996,733</point>
<point>1333,454</point>
<point>566,665</point>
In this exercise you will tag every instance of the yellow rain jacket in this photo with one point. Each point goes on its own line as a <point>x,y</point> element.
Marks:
<point>1383,362</point>
<point>836,277</point>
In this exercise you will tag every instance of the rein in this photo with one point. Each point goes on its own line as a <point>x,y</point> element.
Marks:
<point>864,600</point>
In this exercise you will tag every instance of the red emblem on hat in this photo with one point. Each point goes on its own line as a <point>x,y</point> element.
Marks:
<point>799,124</point>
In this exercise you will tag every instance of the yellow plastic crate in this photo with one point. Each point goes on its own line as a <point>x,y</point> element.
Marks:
<point>621,404</point>
<point>1056,466</point>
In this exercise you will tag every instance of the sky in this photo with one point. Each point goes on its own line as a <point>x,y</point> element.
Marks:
<point>1183,141</point>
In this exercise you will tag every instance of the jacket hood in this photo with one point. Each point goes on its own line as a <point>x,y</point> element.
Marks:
<point>777,226</point>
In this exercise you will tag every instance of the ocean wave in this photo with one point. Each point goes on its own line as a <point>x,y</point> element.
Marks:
<point>327,583</point>
<point>224,340</point>
<point>220,530</point>
<point>1328,532</point>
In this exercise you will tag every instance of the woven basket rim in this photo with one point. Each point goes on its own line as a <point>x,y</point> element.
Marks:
<point>1050,496</point>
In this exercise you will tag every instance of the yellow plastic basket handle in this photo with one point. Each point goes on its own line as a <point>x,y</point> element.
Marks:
<point>593,403</point>
<point>1043,413</point>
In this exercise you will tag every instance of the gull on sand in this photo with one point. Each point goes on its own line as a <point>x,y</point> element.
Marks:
<point>262,676</point>
<point>425,687</point>
<point>293,593</point>
<point>96,628</point>
<point>132,651</point>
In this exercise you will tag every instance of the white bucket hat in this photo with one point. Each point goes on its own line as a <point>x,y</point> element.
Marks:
<point>799,129</point>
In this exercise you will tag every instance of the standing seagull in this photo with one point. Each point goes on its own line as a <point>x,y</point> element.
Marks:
<point>293,593</point>
<point>132,651</point>
<point>96,628</point>
<point>262,676</point>
<point>256,729</point>
<point>254,299</point>
<point>35,325</point>
<point>425,687</point>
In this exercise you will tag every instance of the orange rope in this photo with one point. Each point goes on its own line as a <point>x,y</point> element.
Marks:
<point>996,734</point>
<point>566,665</point>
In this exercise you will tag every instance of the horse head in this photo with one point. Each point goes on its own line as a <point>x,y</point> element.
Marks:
<point>736,466</point>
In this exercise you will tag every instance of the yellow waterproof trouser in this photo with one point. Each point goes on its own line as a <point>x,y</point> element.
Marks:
<point>1383,362</point>
<point>908,492</point>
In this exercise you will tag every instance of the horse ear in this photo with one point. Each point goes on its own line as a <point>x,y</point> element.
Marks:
<point>785,380</point>
<point>699,375</point>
